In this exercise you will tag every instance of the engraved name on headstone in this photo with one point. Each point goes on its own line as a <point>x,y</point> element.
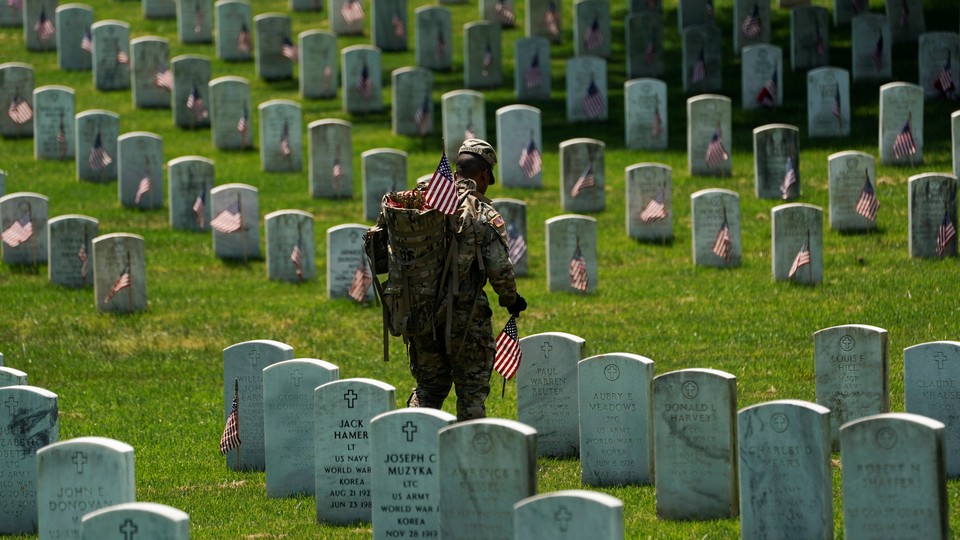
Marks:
<point>547,397</point>
<point>854,197</point>
<point>931,388</point>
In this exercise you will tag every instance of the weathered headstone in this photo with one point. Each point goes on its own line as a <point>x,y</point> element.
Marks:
<point>190,180</point>
<point>502,12</point>
<point>78,476</point>
<point>715,223</point>
<point>828,102</point>
<point>702,59</point>
<point>649,202</point>
<point>234,36</point>
<point>412,104</point>
<point>786,485</point>
<point>290,246</point>
<point>119,273</point>
<point>388,24</point>
<point>776,161</point>
<point>931,214</point>
<point>871,48</point>
<point>531,68</point>
<point>751,23</point>
<point>483,55</point>
<point>894,480</point>
<point>23,220</point>
<point>140,170</point>
<point>96,140</point>
<point>28,422</point>
<point>230,120</point>
<point>384,170</point>
<point>514,213</point>
<point>191,78</point>
<point>69,250</point>
<point>616,428</point>
<point>851,369</point>
<point>12,377</point>
<point>547,391</point>
<point>433,47</point>
<point>306,5</point>
<point>405,486</point>
<point>151,79</point>
<point>463,118</point>
<point>591,28</point>
<point>288,389</point>
<point>236,221</point>
<point>345,259</point>
<point>39,31</point>
<point>645,114</point>
<point>150,520</point>
<point>195,21</point>
<point>472,453</point>
<point>930,383</point>
<point>159,9</point>
<point>901,124</point>
<point>16,97</point>
<point>695,444</point>
<point>319,65</point>
<point>761,77</point>
<point>346,17</point>
<point>645,56</point>
<point>695,12</point>
<point>330,160</point>
<point>906,20</point>
<point>362,80</point>
<point>572,253</point>
<point>111,55</point>
<point>809,37</point>
<point>587,94</point>
<point>73,23</point>
<point>544,18</point>
<point>709,135</point>
<point>569,514</point>
<point>844,11</point>
<point>53,132</point>
<point>797,238</point>
<point>582,175</point>
<point>342,413</point>
<point>938,52</point>
<point>243,365</point>
<point>276,52</point>
<point>853,191</point>
<point>281,138</point>
<point>519,146</point>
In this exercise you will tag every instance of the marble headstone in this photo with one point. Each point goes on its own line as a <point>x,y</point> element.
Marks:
<point>932,206</point>
<point>519,146</point>
<point>281,137</point>
<point>645,57</point>
<point>514,213</point>
<point>906,19</point>
<point>702,59</point>
<point>190,179</point>
<point>645,114</point>
<point>715,224</point>
<point>16,95</point>
<point>362,80</point>
<point>159,9</point>
<point>616,428</point>
<point>191,79</point>
<point>12,377</point>
<point>346,17</point>
<point>330,159</point>
<point>342,413</point>
<point>544,18</point>
<point>464,117</point>
<point>306,5</point>
<point>547,391</point>
<point>230,120</point>
<point>53,130</point>
<point>761,77</point>
<point>319,65</point>
<point>140,170</point>
<point>10,16</point>
<point>195,21</point>
<point>938,53</point>
<point>412,105</point>
<point>797,234</point>
<point>119,273</point>
<point>571,237</point>
<point>709,135</point>
<point>23,220</point>
<point>150,520</point>
<point>151,73</point>
<point>809,37</point>
<point>751,23</point>
<point>930,382</point>
<point>901,124</point>
<point>591,28</point>
<point>236,221</point>
<point>531,69</point>
<point>290,247</point>
<point>871,48</point>
<point>776,161</point>
<point>69,250</point>
<point>695,12</point>
<point>828,102</point>
<point>388,24</point>
<point>96,142</point>
<point>649,202</point>
<point>274,38</point>
<point>433,45</point>
<point>72,22</point>
<point>483,55</point>
<point>852,372</point>
<point>844,11</point>
<point>39,30</point>
<point>111,55</point>
<point>582,175</point>
<point>853,178</point>
<point>588,97</point>
<point>502,12</point>
<point>384,170</point>
<point>234,20</point>
<point>345,258</point>
<point>288,388</point>
<point>570,515</point>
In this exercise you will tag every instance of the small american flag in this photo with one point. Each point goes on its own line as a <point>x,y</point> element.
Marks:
<point>551,20</point>
<point>516,244</point>
<point>228,221</point>
<point>44,27</point>
<point>593,104</point>
<point>487,60</point>
<point>818,40</point>
<point>789,179</point>
<point>859,6</point>
<point>200,208</point>
<point>143,188</point>
<point>945,233</point>
<point>19,231</point>
<point>197,18</point>
<point>868,204</point>
<point>62,138</point>
<point>505,15</point>
<point>586,180</point>
<point>20,111</point>
<point>442,193</point>
<point>531,162</point>
<point>243,39</point>
<point>120,284</point>
<point>327,76</point>
<point>944,82</point>
<point>285,148</point>
<point>231,431</point>
<point>243,127</point>
<point>362,279</point>
<point>768,94</point>
<point>441,48</point>
<point>904,144</point>
<point>86,43</point>
<point>351,11</point>
<point>399,29</point>
<point>593,37</point>
<point>802,259</point>
<point>364,85</point>
<point>578,270</point>
<point>650,54</point>
<point>723,245</point>
<point>289,50</point>
<point>123,58</point>
<point>656,125</point>
<point>337,171</point>
<point>877,53</point>
<point>15,4</point>
<point>904,14</point>
<point>752,25</point>
<point>699,68</point>
<point>164,78</point>
<point>195,104</point>
<point>507,359</point>
<point>533,76</point>
<point>655,210</point>
<point>716,154</point>
<point>84,259</point>
<point>99,158</point>
<point>422,118</point>
<point>296,257</point>
<point>835,107</point>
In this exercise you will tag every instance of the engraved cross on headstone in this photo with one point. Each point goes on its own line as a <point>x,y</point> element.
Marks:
<point>562,516</point>
<point>939,358</point>
<point>546,348</point>
<point>11,404</point>
<point>779,422</point>
<point>129,528</point>
<point>409,428</point>
<point>296,376</point>
<point>350,397</point>
<point>254,357</point>
<point>79,459</point>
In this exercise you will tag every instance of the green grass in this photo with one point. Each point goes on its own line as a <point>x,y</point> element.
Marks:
<point>154,379</point>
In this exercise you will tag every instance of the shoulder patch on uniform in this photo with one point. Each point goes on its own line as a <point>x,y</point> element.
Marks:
<point>497,221</point>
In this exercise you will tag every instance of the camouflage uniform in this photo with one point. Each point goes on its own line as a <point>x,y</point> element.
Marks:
<point>482,256</point>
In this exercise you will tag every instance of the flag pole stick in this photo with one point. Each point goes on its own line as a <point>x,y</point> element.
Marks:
<point>130,286</point>
<point>810,256</point>
<point>503,390</point>
<point>726,259</point>
<point>236,392</point>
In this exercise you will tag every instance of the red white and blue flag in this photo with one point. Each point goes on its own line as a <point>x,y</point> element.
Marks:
<point>285,147</point>
<point>19,231</point>
<point>44,27</point>
<point>143,188</point>
<point>509,354</point>
<point>362,279</point>
<point>351,11</point>
<point>945,233</point>
<point>99,158</point>
<point>768,94</point>
<point>699,68</point>
<point>364,85</point>
<point>551,20</point>
<point>531,162</point>
<point>440,49</point>
<point>399,28</point>
<point>716,154</point>
<point>120,284</point>
<point>752,25</point>
<point>868,204</point>
<point>802,259</point>
<point>650,53</point>
<point>243,127</point>
<point>593,103</point>
<point>656,125</point>
<point>655,210</point>
<point>516,244</point>
<point>487,60</point>
<point>505,15</point>
<point>86,43</point>
<point>243,39</point>
<point>289,50</point>
<point>200,208</point>
<point>164,78</point>
<point>904,144</point>
<point>593,37</point>
<point>586,180</point>
<point>789,178</point>
<point>296,257</point>
<point>19,111</point>
<point>422,118</point>
<point>442,193</point>
<point>231,430</point>
<point>195,104</point>
<point>835,107</point>
<point>533,76</point>
<point>229,220</point>
<point>944,82</point>
<point>723,244</point>
<point>578,270</point>
<point>197,18</point>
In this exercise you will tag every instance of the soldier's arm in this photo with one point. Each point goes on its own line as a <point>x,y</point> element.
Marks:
<point>496,260</point>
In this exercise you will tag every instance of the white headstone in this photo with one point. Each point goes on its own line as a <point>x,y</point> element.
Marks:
<point>151,73</point>
<point>236,221</point>
<point>39,31</point>
<point>906,20</point>
<point>12,377</point>
<point>16,96</point>
<point>544,18</point>
<point>715,220</point>
<point>53,130</point>
<point>587,94</point>
<point>547,397</point>
<point>776,161</point>
<point>901,124</point>
<point>384,170</point>
<point>930,388</point>
<point>190,181</point>
<point>73,21</point>
<point>702,59</point>
<point>159,9</point>
<point>111,55</point>
<point>828,102</point>
<point>434,38</point>
<point>96,142</point>
<point>582,175</point>
<point>70,250</point>
<point>932,211</point>
<point>23,220</point>
<point>330,160</point>
<point>274,45</point>
<point>591,28</point>
<point>531,69</point>
<point>140,170</point>
<point>195,21</point>
<point>761,77</point>
<point>346,17</point>
<point>290,246</point>
<point>514,213</point>
<point>572,514</point>
<point>482,56</point>
<point>362,80</point>
<point>709,135</point>
<point>645,114</point>
<point>751,23</point>
<point>871,53</point>
<point>119,273</point>
<point>231,121</point>
<point>938,53</point>
<point>191,97</point>
<point>464,118</point>
<point>572,253</point>
<point>412,103</point>
<point>649,202</point>
<point>234,36</point>
<point>797,238</point>
<point>148,520</point>
<point>388,24</point>
<point>281,136</point>
<point>519,146</point>
<point>809,37</point>
<point>853,185</point>
<point>319,65</point>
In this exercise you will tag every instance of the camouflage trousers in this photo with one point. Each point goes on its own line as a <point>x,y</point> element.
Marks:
<point>467,370</point>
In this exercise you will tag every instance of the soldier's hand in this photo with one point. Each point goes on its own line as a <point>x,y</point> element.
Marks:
<point>519,305</point>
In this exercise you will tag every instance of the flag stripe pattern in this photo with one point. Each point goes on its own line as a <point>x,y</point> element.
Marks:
<point>945,233</point>
<point>86,42</point>
<point>768,93</point>
<point>200,208</point>
<point>533,76</point>
<point>723,245</point>
<point>289,50</point>
<point>19,231</point>
<point>904,144</point>
<point>578,271</point>
<point>99,158</point>
<point>422,117</point>
<point>868,204</point>
<point>593,37</point>
<point>362,279</point>
<point>699,68</point>
<point>442,193</point>
<point>351,11</point>
<point>752,25</point>
<point>516,244</point>
<point>531,162</point>
<point>802,259</point>
<point>655,209</point>
<point>164,78</point>
<point>296,257</point>
<point>143,188</point>
<point>509,354</point>
<point>122,283</point>
<point>84,259</point>
<point>505,15</point>
<point>593,104</point>
<point>243,39</point>
<point>20,111</point>
<point>44,27</point>
<point>195,104</point>
<point>586,180</point>
<point>716,154</point>
<point>944,82</point>
<point>789,178</point>
<point>228,221</point>
<point>231,430</point>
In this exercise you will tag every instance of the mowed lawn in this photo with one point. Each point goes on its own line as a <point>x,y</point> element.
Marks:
<point>155,379</point>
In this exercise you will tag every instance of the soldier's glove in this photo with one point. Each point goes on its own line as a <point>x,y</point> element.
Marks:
<point>518,305</point>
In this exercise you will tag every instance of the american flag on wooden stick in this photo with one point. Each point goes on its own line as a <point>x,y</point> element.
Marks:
<point>593,103</point>
<point>229,220</point>
<point>818,42</point>
<point>487,62</point>
<point>19,231</point>
<point>516,244</point>
<point>422,118</point>
<point>944,82</point>
<point>656,125</point>
<point>200,208</point>
<point>364,85</point>
<point>868,204</point>
<point>650,53</point>
<point>99,158</point>
<point>289,50</point>
<point>243,39</point>
<point>752,25</point>
<point>83,258</point>
<point>723,244</point>
<point>802,259</point>
<point>164,78</point>
<point>768,93</point>
<point>121,283</point>
<point>231,430</point>
<point>15,4</point>
<point>593,37</point>
<point>904,144</point>
<point>123,58</point>
<point>531,162</point>
<point>578,270</point>
<point>285,147</point>
<point>699,68</point>
<point>533,76</point>
<point>789,178</point>
<point>716,154</point>
<point>399,28</point>
<point>583,182</point>
<point>877,53</point>
<point>442,193</point>
<point>86,43</point>
<point>351,11</point>
<point>243,127</point>
<point>835,107</point>
<point>19,111</point>
<point>44,27</point>
<point>551,20</point>
<point>655,210</point>
<point>509,354</point>
<point>197,18</point>
<point>505,15</point>
<point>195,104</point>
<point>143,188</point>
<point>362,279</point>
<point>945,233</point>
<point>440,48</point>
<point>296,257</point>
